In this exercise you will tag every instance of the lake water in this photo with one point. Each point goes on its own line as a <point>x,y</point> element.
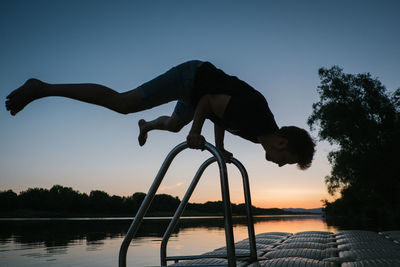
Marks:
<point>96,242</point>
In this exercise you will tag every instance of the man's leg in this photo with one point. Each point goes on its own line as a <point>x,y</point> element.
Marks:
<point>169,123</point>
<point>127,102</point>
<point>167,87</point>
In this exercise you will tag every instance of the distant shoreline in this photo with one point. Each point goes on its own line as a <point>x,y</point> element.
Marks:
<point>43,215</point>
<point>111,218</point>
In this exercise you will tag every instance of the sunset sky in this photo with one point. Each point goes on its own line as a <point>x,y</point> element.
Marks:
<point>275,46</point>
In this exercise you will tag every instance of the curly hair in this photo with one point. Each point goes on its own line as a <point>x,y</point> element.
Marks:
<point>300,143</point>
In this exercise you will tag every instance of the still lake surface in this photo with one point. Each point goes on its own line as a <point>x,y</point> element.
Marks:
<point>96,241</point>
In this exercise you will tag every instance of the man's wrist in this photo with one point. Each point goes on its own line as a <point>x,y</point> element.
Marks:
<point>194,132</point>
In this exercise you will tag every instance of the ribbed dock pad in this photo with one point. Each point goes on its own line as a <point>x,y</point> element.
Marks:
<point>351,248</point>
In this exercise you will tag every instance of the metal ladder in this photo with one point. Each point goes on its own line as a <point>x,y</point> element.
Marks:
<point>231,255</point>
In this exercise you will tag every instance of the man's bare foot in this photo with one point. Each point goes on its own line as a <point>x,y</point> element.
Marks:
<point>143,132</point>
<point>22,96</point>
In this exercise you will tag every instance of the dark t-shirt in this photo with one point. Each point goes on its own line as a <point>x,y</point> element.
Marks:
<point>247,113</point>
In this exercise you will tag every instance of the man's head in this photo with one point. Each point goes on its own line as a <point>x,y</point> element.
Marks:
<point>289,145</point>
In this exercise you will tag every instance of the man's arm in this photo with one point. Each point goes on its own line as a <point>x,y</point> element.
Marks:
<point>203,110</point>
<point>219,134</point>
<point>207,105</point>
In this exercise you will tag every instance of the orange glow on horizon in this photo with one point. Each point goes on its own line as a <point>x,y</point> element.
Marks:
<point>282,204</point>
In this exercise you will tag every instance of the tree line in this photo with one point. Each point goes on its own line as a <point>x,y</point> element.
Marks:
<point>361,119</point>
<point>65,201</point>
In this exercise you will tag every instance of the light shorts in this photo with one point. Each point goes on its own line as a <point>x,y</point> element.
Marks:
<point>175,84</point>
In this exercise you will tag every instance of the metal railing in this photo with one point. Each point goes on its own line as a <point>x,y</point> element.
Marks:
<point>231,256</point>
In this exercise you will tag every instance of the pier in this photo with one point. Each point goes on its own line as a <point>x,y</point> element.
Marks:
<point>352,248</point>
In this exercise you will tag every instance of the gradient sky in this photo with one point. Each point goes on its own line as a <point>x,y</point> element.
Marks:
<point>275,46</point>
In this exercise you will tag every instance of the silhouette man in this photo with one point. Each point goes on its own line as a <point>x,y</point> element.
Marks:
<point>202,92</point>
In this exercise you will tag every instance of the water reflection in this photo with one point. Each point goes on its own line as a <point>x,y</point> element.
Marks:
<point>95,242</point>
<point>64,232</point>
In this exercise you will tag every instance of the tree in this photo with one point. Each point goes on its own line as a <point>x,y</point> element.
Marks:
<point>65,199</point>
<point>8,200</point>
<point>164,203</point>
<point>99,201</point>
<point>357,115</point>
<point>35,199</point>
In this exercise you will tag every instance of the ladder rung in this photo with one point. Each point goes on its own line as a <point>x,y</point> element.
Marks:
<point>194,257</point>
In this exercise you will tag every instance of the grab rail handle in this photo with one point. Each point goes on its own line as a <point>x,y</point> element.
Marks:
<point>153,189</point>
<point>179,211</point>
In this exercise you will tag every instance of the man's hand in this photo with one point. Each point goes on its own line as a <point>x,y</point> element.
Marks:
<point>195,141</point>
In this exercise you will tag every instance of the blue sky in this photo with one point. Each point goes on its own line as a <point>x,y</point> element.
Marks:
<point>275,46</point>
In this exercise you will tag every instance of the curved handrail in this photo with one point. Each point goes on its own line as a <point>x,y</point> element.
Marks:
<point>181,208</point>
<point>179,211</point>
<point>153,189</point>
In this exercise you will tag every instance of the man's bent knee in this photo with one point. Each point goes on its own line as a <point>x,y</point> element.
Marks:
<point>174,125</point>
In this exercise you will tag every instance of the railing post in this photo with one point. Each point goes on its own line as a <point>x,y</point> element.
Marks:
<point>230,243</point>
<point>247,200</point>
<point>146,203</point>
